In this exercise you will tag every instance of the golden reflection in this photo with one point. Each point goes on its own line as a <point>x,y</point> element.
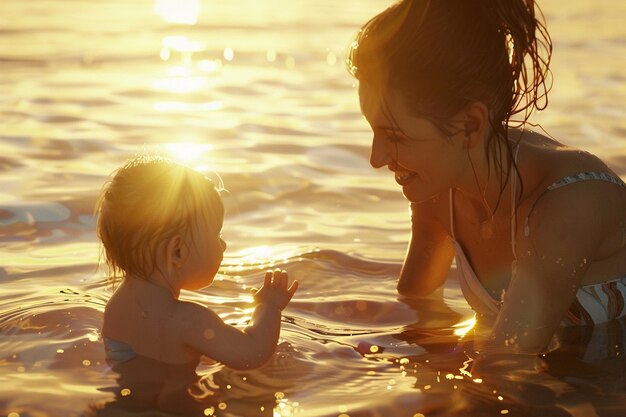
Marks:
<point>185,12</point>
<point>183,106</point>
<point>180,84</point>
<point>331,59</point>
<point>180,44</point>
<point>462,328</point>
<point>258,254</point>
<point>188,152</point>
<point>210,65</point>
<point>229,54</point>
<point>180,78</point>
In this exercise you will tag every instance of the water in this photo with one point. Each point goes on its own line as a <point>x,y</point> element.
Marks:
<point>257,92</point>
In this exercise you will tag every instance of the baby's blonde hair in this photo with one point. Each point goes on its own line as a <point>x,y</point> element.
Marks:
<point>147,201</point>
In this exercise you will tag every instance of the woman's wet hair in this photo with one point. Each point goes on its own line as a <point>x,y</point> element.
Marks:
<point>438,56</point>
<point>147,201</point>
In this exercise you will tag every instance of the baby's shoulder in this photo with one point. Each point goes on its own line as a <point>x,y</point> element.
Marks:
<point>194,315</point>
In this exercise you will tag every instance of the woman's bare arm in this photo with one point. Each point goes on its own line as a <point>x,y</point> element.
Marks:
<point>566,228</point>
<point>429,254</point>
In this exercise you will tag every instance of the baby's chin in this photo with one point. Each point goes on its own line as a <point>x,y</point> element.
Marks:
<point>198,286</point>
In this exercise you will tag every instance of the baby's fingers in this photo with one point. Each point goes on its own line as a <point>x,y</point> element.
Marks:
<point>268,279</point>
<point>280,279</point>
<point>292,290</point>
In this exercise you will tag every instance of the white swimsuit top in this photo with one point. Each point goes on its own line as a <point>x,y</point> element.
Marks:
<point>597,303</point>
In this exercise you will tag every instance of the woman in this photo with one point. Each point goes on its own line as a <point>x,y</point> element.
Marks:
<point>538,228</point>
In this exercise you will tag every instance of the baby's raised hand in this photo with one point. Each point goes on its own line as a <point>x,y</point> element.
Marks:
<point>274,290</point>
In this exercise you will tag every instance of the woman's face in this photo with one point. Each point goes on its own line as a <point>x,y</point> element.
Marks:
<point>425,161</point>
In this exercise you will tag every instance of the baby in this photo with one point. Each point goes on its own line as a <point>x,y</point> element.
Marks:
<point>159,223</point>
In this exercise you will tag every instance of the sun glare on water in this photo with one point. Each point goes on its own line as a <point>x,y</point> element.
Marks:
<point>190,153</point>
<point>258,254</point>
<point>184,12</point>
<point>462,328</point>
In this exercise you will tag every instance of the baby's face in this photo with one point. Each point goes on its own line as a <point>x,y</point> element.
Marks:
<point>205,254</point>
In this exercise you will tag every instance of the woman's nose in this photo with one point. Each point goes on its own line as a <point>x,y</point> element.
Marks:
<point>379,155</point>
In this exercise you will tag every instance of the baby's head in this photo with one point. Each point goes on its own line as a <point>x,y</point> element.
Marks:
<point>148,201</point>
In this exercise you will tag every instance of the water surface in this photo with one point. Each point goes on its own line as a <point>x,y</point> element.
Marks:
<point>256,91</point>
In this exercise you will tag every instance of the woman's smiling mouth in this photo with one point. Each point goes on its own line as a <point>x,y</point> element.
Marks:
<point>404,177</point>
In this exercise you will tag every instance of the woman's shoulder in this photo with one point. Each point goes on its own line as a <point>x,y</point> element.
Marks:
<point>545,164</point>
<point>570,191</point>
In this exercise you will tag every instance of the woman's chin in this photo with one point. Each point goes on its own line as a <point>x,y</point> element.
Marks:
<point>415,196</point>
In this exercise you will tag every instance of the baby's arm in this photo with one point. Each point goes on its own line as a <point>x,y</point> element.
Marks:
<point>241,349</point>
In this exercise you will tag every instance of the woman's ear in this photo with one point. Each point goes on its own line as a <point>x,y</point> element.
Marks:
<point>476,123</point>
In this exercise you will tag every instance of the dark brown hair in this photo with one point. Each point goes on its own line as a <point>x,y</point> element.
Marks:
<point>440,55</point>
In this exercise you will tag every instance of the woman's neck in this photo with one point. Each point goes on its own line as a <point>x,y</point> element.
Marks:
<point>486,182</point>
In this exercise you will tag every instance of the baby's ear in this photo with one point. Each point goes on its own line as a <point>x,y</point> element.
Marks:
<point>175,251</point>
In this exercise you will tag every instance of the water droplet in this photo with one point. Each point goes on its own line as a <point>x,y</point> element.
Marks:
<point>209,411</point>
<point>125,392</point>
<point>221,406</point>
